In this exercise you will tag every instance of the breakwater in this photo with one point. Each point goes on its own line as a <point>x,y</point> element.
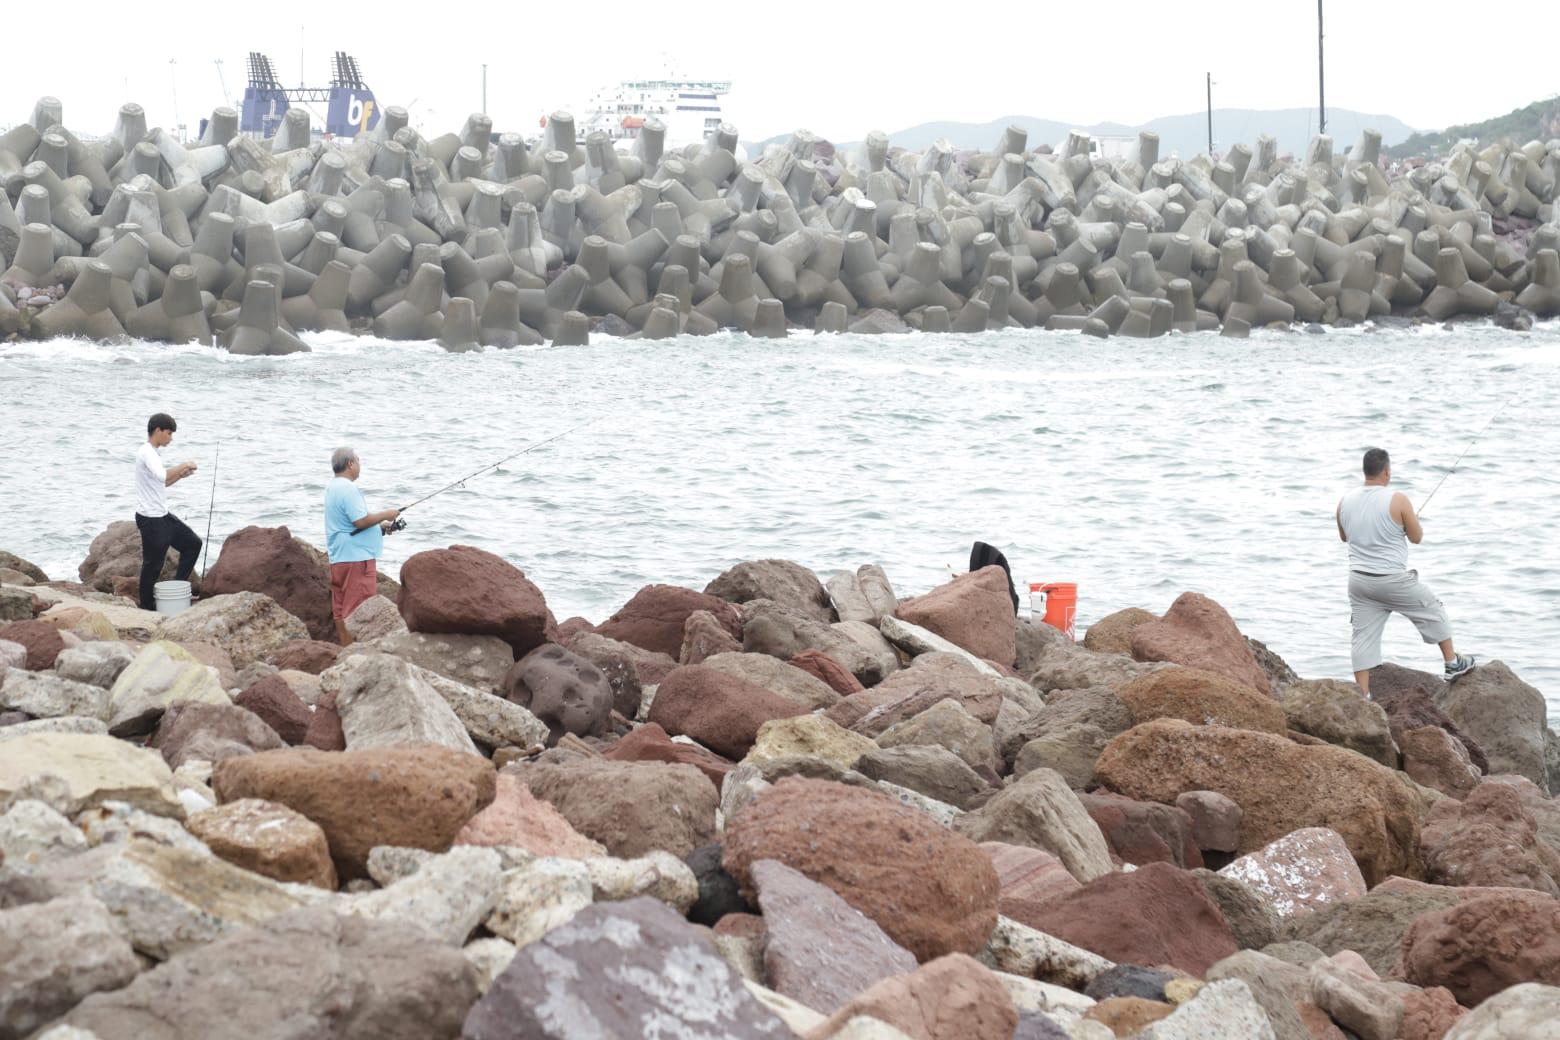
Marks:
<point>475,238</point>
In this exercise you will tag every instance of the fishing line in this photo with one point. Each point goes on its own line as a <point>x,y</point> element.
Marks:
<point>1497,414</point>
<point>205,553</point>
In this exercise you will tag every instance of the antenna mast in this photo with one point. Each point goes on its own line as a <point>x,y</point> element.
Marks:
<point>1321,74</point>
<point>1210,115</point>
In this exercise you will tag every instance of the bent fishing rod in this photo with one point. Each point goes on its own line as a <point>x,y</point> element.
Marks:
<point>399,524</point>
<point>1495,415</point>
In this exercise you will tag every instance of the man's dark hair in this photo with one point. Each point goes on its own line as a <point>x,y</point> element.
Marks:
<point>161,421</point>
<point>1376,462</point>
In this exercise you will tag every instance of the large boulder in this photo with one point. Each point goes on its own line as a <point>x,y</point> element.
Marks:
<point>201,732</point>
<point>1505,715</point>
<point>769,628</point>
<point>1071,729</point>
<point>1198,633</point>
<point>931,769</point>
<point>348,978</point>
<point>114,557</point>
<point>518,819</point>
<point>782,581</point>
<point>419,797</point>
<point>932,891</point>
<point>1301,872</point>
<point>12,562</point>
<point>1252,920</point>
<point>973,611</point>
<point>1279,785</point>
<point>628,668</point>
<point>632,808</point>
<point>248,625</point>
<point>1201,698</point>
<point>161,674</point>
<point>1157,914</point>
<point>654,619</point>
<point>952,998</point>
<point>56,954</point>
<point>1489,839</point>
<point>564,690</point>
<point>1479,947</point>
<point>1374,924</point>
<point>1068,666</point>
<point>1438,760</point>
<point>481,662</point>
<point>1041,811</point>
<point>795,685</point>
<point>470,591</point>
<point>374,618</point>
<point>809,736</point>
<point>271,561</point>
<point>1410,699</point>
<point>1337,713</point>
<point>73,772</point>
<point>931,678</point>
<point>383,702</point>
<point>1545,810</point>
<point>268,839</point>
<point>627,969</point>
<point>1112,634</point>
<point>947,724</point>
<point>42,641</point>
<point>723,712</point>
<point>1143,832</point>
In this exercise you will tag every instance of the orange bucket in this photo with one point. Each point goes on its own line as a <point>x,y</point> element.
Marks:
<point>1061,604</point>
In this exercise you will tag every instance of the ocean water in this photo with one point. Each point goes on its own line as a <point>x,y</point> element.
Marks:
<point>1138,469</point>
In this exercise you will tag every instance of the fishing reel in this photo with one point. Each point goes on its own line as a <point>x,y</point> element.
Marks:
<point>395,525</point>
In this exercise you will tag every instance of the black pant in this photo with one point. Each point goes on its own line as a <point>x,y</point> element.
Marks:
<point>158,533</point>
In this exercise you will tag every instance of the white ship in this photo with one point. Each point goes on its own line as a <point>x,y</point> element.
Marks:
<point>690,109</point>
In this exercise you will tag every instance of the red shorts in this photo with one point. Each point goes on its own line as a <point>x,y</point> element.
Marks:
<point>350,585</point>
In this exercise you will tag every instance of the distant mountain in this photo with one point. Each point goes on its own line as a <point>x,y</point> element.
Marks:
<point>1538,121</point>
<point>1185,135</point>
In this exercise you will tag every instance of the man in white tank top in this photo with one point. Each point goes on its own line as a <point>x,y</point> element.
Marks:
<point>1378,524</point>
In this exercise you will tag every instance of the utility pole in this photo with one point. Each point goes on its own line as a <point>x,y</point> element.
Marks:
<point>484,88</point>
<point>1321,74</point>
<point>1210,116</point>
<point>173,79</point>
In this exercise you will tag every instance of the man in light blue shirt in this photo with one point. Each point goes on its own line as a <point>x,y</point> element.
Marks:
<point>354,537</point>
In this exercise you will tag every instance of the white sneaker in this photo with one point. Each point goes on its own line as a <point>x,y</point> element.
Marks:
<point>1459,667</point>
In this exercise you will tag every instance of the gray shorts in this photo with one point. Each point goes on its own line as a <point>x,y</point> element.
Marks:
<point>1373,599</point>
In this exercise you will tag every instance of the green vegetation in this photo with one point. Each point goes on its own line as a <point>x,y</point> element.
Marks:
<point>1538,121</point>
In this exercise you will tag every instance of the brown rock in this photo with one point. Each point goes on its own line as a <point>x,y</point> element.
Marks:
<point>114,557</point>
<point>931,890</point>
<point>1280,787</point>
<point>1201,698</point>
<point>782,632</point>
<point>567,692</point>
<point>1157,914</point>
<point>270,560</point>
<point>1279,674</point>
<point>1127,1016</point>
<point>1337,713</point>
<point>1319,1023</point>
<point>1143,832</point>
<point>278,707</point>
<point>818,949</point>
<point>952,998</point>
<point>780,581</point>
<point>418,797</point>
<point>42,641</point>
<point>654,619</point>
<point>1410,700</point>
<point>1112,634</point>
<point>821,666</point>
<point>473,592</point>
<point>268,839</point>
<point>720,711</point>
<point>632,808</point>
<point>910,691</point>
<point>934,771</point>
<point>1506,716</point>
<point>625,666</point>
<point>650,743</point>
<point>1039,810</point>
<point>973,611</point>
<point>1435,758</point>
<point>1480,947</point>
<point>1429,1013</point>
<point>1215,819</point>
<point>1488,839</point>
<point>1198,633</point>
<point>947,724</point>
<point>197,731</point>
<point>517,819</point>
<point>325,732</point>
<point>704,637</point>
<point>12,562</point>
<point>1301,872</point>
<point>1028,877</point>
<point>304,655</point>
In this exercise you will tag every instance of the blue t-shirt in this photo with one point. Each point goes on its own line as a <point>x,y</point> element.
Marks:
<point>343,504</point>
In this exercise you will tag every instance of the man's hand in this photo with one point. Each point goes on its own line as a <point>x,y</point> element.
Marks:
<point>184,469</point>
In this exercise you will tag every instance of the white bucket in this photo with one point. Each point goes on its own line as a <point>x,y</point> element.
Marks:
<point>173,597</point>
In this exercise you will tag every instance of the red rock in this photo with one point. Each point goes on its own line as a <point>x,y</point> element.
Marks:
<point>1215,819</point>
<point>654,618</point>
<point>1318,1022</point>
<point>279,707</point>
<point>1143,832</point>
<point>704,637</point>
<point>952,998</point>
<point>821,666</point>
<point>1435,758</point>
<point>518,819</point>
<point>723,712</point>
<point>1201,698</point>
<point>1429,1013</point>
<point>472,592</point>
<point>1409,699</point>
<point>418,796</point>
<point>1482,946</point>
<point>1157,914</point>
<point>1488,839</point>
<point>196,730</point>
<point>1112,634</point>
<point>1028,877</point>
<point>325,731</point>
<point>571,627</point>
<point>1301,872</point>
<point>973,611</point>
<point>632,808</point>
<point>910,691</point>
<point>42,641</point>
<point>304,655</point>
<point>271,561</point>
<point>650,743</point>
<point>1198,633</point>
<point>933,891</point>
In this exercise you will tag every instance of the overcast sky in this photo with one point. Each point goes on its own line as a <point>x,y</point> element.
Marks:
<point>855,67</point>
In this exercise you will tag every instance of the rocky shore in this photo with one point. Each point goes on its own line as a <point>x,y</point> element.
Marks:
<point>474,238</point>
<point>776,807</point>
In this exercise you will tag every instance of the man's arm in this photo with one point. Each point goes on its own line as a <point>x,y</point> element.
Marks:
<point>1403,513</point>
<point>1338,517</point>
<point>368,520</point>
<point>177,473</point>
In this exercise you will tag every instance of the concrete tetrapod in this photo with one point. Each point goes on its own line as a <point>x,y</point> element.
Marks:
<point>259,329</point>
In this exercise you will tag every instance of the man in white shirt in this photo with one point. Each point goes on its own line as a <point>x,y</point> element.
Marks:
<point>159,528</point>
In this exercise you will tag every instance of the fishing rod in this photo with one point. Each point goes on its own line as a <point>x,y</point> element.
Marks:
<point>211,508</point>
<point>1497,413</point>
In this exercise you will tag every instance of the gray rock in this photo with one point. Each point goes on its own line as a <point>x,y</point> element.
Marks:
<point>1042,812</point>
<point>536,897</point>
<point>1067,666</point>
<point>448,897</point>
<point>849,601</point>
<point>32,833</point>
<point>915,640</point>
<point>631,969</point>
<point>1070,724</point>
<point>489,957</point>
<point>1367,1008</point>
<point>160,674</point>
<point>248,625</point>
<point>783,632</point>
<point>56,954</point>
<point>63,724</point>
<point>375,618</point>
<point>776,676</point>
<point>1071,750</point>
<point>946,724</point>
<point>45,695</point>
<point>480,662</point>
<point>491,721</point>
<point>383,703</point>
<point>1529,1011</point>
<point>1020,950</point>
<point>878,590</point>
<point>1336,712</point>
<point>1220,1011</point>
<point>930,769</point>
<point>322,975</point>
<point>1276,985</point>
<point>781,581</point>
<point>76,771</point>
<point>1505,716</point>
<point>96,663</point>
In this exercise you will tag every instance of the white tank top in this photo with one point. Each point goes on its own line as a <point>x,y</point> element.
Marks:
<point>1377,544</point>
